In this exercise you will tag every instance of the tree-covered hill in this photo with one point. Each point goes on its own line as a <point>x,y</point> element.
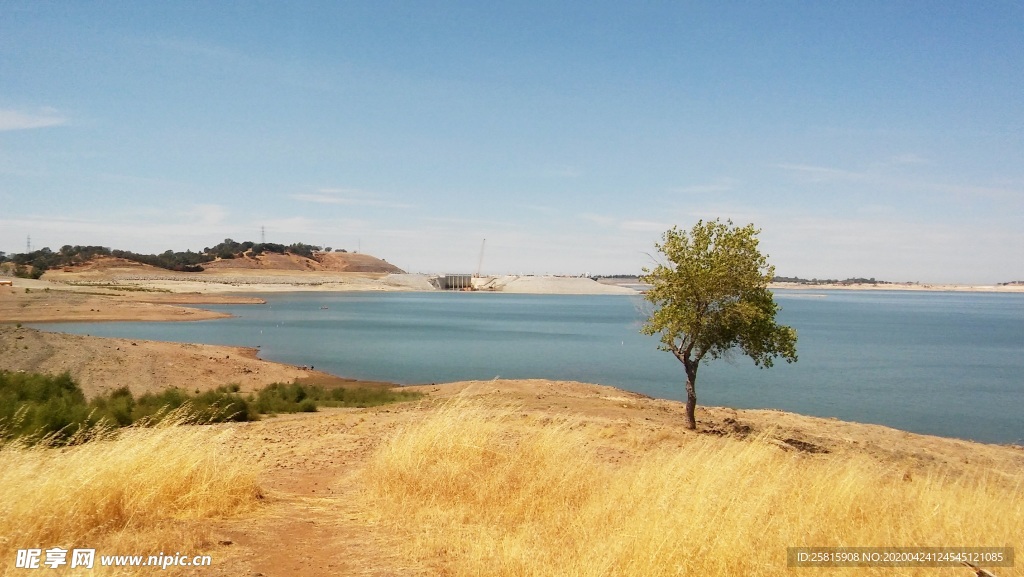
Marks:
<point>34,264</point>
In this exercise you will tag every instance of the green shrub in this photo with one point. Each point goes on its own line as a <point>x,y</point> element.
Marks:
<point>33,405</point>
<point>290,398</point>
<point>54,408</point>
<point>118,407</point>
<point>216,406</point>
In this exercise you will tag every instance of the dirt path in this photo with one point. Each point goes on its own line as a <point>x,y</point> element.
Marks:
<point>312,522</point>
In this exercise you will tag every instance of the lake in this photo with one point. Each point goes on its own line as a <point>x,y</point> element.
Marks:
<point>948,364</point>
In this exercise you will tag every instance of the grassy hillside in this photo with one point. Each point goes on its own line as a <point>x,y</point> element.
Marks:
<point>516,478</point>
<point>484,492</point>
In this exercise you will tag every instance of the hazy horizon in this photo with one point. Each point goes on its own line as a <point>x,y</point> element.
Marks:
<point>866,140</point>
<point>466,269</point>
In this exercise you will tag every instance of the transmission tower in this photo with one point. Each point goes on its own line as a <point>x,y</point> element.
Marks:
<point>28,244</point>
<point>480,261</point>
<point>263,235</point>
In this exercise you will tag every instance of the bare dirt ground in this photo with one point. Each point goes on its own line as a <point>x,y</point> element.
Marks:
<point>41,301</point>
<point>551,285</point>
<point>323,261</point>
<point>101,365</point>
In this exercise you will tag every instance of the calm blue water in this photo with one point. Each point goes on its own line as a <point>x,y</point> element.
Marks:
<point>948,364</point>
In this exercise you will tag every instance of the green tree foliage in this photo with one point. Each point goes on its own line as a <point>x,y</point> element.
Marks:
<point>712,298</point>
<point>302,249</point>
<point>229,249</point>
<point>78,254</point>
<point>34,264</point>
<point>187,261</point>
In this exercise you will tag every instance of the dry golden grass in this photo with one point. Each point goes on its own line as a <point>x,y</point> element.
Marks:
<point>494,492</point>
<point>128,492</point>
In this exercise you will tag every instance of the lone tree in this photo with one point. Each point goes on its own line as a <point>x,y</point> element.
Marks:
<point>712,298</point>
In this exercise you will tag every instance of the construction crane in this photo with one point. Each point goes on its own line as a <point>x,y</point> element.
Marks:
<point>480,261</point>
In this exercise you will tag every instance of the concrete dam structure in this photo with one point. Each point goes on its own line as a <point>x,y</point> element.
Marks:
<point>455,282</point>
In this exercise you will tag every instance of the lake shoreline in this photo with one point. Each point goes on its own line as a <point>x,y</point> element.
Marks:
<point>102,364</point>
<point>179,297</point>
<point>126,307</point>
<point>912,287</point>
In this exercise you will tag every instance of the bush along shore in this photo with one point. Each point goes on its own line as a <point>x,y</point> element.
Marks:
<point>36,407</point>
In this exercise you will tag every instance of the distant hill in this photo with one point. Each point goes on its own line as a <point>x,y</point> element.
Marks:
<point>226,255</point>
<point>319,261</point>
<point>829,281</point>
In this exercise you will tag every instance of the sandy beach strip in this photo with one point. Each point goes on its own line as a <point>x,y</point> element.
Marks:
<point>912,287</point>
<point>42,302</point>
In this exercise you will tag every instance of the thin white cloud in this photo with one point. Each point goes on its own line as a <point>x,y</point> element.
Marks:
<point>540,208</point>
<point>717,186</point>
<point>564,172</point>
<point>598,219</point>
<point>129,233</point>
<point>348,197</point>
<point>453,220</point>
<point>973,192</point>
<point>193,47</point>
<point>644,226</point>
<point>877,210</point>
<point>626,225</point>
<point>909,158</point>
<point>21,120</point>
<point>821,172</point>
<point>285,72</point>
<point>319,198</point>
<point>144,182</point>
<point>299,225</point>
<point>887,179</point>
<point>208,214</point>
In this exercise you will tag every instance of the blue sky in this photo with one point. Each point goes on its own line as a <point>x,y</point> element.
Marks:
<point>877,139</point>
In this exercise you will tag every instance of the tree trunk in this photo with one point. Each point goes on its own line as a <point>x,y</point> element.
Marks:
<point>691,394</point>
